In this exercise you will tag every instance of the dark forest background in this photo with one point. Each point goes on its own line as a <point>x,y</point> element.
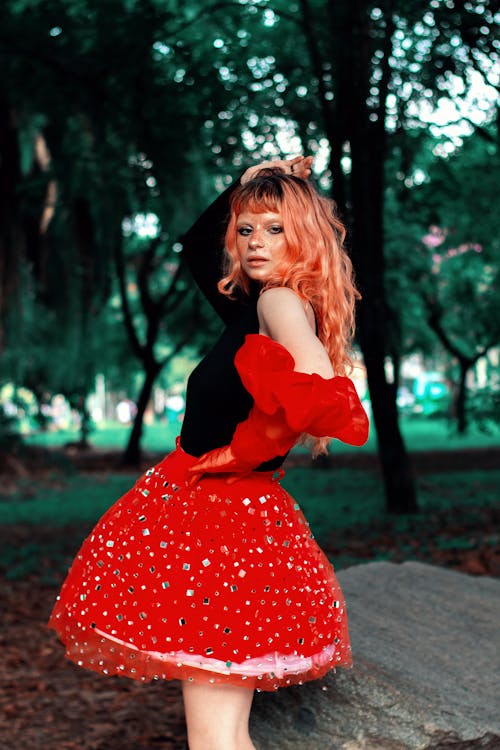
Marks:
<point>121,120</point>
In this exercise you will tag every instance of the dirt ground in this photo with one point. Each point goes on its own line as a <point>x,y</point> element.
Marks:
<point>47,703</point>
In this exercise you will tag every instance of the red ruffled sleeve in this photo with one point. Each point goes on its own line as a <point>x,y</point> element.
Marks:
<point>312,404</point>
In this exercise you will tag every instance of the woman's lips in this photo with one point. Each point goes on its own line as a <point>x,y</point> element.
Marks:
<point>256,261</point>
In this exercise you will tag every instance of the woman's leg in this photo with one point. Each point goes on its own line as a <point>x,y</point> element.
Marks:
<point>217,716</point>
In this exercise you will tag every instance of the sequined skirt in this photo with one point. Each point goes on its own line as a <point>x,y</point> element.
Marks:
<point>216,582</point>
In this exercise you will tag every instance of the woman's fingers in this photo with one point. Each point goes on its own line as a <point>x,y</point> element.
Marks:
<point>217,461</point>
<point>250,173</point>
<point>230,479</point>
<point>299,166</point>
<point>214,461</point>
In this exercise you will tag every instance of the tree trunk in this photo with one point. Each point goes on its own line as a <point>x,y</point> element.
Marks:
<point>360,199</point>
<point>85,425</point>
<point>434,318</point>
<point>367,253</point>
<point>396,465</point>
<point>10,249</point>
<point>132,454</point>
<point>368,148</point>
<point>460,410</point>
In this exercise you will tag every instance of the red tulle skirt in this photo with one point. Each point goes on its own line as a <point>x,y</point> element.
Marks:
<point>216,582</point>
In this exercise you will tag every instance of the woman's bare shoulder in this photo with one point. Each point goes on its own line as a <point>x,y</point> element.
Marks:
<point>284,317</point>
<point>282,306</point>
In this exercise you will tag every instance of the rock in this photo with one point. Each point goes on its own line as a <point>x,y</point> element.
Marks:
<point>426,665</point>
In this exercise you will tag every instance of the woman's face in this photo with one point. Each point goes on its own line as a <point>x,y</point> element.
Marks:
<point>261,243</point>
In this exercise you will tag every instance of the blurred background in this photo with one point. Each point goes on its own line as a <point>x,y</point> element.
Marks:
<point>120,121</point>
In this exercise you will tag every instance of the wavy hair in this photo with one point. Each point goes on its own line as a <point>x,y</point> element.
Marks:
<point>316,267</point>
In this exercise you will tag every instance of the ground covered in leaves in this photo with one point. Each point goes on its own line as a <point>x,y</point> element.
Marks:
<point>46,702</point>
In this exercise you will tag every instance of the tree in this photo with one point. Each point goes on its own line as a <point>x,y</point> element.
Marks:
<point>177,301</point>
<point>450,254</point>
<point>112,152</point>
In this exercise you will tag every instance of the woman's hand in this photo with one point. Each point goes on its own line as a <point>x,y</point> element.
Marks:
<point>217,461</point>
<point>299,166</point>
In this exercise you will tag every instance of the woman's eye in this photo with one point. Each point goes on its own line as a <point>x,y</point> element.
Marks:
<point>276,229</point>
<point>245,231</point>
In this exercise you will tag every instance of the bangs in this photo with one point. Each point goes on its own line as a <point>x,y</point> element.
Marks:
<point>255,205</point>
<point>263,193</point>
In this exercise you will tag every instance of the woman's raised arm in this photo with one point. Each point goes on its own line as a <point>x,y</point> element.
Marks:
<point>203,249</point>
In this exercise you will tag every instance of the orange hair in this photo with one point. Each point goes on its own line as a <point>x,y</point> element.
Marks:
<point>317,267</point>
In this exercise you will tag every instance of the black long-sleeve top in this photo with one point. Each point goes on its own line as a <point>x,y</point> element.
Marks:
<point>216,400</point>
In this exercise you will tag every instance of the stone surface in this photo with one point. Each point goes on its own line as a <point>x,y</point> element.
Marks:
<point>426,669</point>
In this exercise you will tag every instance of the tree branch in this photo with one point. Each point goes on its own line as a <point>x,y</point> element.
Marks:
<point>434,320</point>
<point>194,325</point>
<point>177,348</point>
<point>172,295</point>
<point>148,303</point>
<point>209,9</point>
<point>137,347</point>
<point>479,129</point>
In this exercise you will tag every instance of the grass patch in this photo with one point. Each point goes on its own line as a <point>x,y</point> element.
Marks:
<point>330,498</point>
<point>420,433</point>
<point>157,437</point>
<point>336,498</point>
<point>342,498</point>
<point>77,499</point>
<point>464,488</point>
<point>44,522</point>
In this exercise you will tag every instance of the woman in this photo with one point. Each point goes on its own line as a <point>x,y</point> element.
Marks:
<point>206,570</point>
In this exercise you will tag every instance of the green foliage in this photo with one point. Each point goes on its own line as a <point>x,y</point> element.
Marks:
<point>96,86</point>
<point>484,409</point>
<point>443,254</point>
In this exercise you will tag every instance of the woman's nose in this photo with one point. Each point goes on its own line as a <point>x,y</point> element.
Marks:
<point>255,240</point>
